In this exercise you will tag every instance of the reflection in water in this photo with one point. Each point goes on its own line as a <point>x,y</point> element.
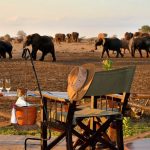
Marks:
<point>141,144</point>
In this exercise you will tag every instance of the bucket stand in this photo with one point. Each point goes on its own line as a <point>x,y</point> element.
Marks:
<point>43,138</point>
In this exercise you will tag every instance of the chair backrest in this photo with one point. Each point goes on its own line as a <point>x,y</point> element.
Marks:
<point>114,85</point>
<point>111,82</point>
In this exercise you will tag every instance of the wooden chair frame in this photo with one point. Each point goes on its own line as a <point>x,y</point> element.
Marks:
<point>105,83</point>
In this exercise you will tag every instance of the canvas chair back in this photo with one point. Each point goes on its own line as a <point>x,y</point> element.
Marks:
<point>111,82</point>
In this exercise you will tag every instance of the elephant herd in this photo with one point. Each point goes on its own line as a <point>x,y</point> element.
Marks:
<point>132,42</point>
<point>45,44</point>
<point>138,42</point>
<point>69,37</point>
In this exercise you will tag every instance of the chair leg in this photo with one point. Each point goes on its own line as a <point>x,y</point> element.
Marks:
<point>120,143</point>
<point>98,137</point>
<point>69,126</point>
<point>69,141</point>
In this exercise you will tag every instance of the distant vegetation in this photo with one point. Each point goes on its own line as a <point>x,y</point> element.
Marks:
<point>145,29</point>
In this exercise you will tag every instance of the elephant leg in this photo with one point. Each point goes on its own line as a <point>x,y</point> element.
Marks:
<point>33,54</point>
<point>95,47</point>
<point>10,55</point>
<point>133,52</point>
<point>0,53</point>
<point>24,53</point>
<point>140,52</point>
<point>129,50</point>
<point>103,53</point>
<point>117,55</point>
<point>53,55</point>
<point>3,54</point>
<point>43,56</point>
<point>120,53</point>
<point>124,50</point>
<point>107,51</point>
<point>147,53</point>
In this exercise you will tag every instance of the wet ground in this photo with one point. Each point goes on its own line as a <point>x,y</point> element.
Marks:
<point>14,142</point>
<point>140,144</point>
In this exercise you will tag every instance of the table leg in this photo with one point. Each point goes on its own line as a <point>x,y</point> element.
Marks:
<point>44,124</point>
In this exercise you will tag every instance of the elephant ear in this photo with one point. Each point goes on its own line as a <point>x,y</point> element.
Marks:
<point>27,41</point>
<point>29,38</point>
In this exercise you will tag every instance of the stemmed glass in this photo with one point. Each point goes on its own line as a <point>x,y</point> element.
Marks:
<point>1,85</point>
<point>7,85</point>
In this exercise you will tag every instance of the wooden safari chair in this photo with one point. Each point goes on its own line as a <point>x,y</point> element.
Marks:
<point>87,126</point>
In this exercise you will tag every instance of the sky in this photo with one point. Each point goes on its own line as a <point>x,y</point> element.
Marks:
<point>88,17</point>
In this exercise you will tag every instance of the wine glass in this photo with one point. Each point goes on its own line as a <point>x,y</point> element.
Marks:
<point>7,85</point>
<point>1,85</point>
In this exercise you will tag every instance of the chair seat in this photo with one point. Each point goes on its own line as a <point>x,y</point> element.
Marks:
<point>84,113</point>
<point>89,112</point>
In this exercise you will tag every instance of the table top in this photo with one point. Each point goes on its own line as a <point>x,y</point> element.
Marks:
<point>14,93</point>
<point>61,96</point>
<point>55,95</point>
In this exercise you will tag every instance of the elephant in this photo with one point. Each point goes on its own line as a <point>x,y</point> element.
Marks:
<point>60,37</point>
<point>125,45</point>
<point>109,44</point>
<point>69,37</point>
<point>42,43</point>
<point>139,43</point>
<point>74,36</point>
<point>141,34</point>
<point>5,47</point>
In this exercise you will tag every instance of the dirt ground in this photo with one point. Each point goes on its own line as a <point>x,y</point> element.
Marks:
<point>53,75</point>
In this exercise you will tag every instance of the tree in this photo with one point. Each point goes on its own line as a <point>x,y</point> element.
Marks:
<point>21,34</point>
<point>7,37</point>
<point>145,29</point>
